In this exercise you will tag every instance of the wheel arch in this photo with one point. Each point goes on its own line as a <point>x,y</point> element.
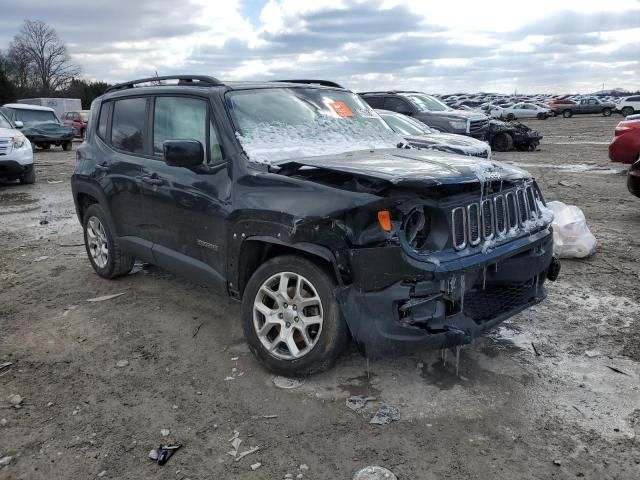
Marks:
<point>256,250</point>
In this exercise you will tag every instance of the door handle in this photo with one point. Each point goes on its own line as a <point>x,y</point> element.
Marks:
<point>152,180</point>
<point>104,166</point>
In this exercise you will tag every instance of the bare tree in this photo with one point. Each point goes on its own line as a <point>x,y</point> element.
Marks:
<point>39,58</point>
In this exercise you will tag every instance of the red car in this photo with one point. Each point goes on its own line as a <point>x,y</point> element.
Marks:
<point>77,120</point>
<point>625,146</point>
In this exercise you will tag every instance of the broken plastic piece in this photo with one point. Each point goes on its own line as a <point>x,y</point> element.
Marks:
<point>374,473</point>
<point>165,452</point>
<point>358,402</point>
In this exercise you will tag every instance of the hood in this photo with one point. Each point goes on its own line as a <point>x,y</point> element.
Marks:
<point>410,167</point>
<point>454,115</point>
<point>452,141</point>
<point>9,132</point>
<point>49,129</point>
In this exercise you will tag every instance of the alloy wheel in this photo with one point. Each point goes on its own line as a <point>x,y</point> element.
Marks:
<point>97,242</point>
<point>288,315</point>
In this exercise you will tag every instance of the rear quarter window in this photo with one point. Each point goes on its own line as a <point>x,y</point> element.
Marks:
<point>104,118</point>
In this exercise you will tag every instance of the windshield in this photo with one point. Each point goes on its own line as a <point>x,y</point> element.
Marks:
<point>426,102</point>
<point>4,123</point>
<point>32,117</point>
<point>277,124</point>
<point>404,125</point>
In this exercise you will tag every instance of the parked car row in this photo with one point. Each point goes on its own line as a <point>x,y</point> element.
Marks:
<point>39,124</point>
<point>16,154</point>
<point>625,148</point>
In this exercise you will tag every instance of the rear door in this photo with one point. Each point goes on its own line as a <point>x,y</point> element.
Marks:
<point>187,207</point>
<point>122,130</point>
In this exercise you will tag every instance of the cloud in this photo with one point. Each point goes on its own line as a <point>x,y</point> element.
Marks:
<point>363,44</point>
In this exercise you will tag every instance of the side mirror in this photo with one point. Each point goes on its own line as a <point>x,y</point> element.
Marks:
<point>18,124</point>
<point>183,153</point>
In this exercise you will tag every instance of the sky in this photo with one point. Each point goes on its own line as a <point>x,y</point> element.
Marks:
<point>541,46</point>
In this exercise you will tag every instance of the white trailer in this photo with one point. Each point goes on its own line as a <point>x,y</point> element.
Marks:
<point>59,105</point>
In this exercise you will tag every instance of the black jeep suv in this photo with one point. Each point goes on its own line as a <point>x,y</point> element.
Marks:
<point>298,200</point>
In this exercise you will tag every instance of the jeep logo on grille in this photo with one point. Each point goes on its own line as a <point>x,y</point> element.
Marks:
<point>494,176</point>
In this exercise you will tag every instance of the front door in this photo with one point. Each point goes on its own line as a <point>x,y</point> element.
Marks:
<point>187,206</point>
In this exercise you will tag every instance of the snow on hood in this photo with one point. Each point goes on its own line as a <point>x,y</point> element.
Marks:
<point>9,132</point>
<point>413,167</point>
<point>451,142</point>
<point>270,143</point>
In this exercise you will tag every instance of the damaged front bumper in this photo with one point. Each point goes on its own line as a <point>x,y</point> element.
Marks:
<point>398,303</point>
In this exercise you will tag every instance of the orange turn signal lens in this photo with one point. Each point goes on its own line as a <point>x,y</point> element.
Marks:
<point>384,219</point>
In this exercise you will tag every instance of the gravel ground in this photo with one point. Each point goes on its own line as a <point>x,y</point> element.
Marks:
<point>570,411</point>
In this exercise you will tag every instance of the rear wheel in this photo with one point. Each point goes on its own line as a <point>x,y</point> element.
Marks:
<point>502,142</point>
<point>606,112</point>
<point>290,317</point>
<point>541,116</point>
<point>102,246</point>
<point>626,111</point>
<point>567,114</point>
<point>66,146</point>
<point>511,116</point>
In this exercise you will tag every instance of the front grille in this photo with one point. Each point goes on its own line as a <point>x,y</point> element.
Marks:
<point>496,215</point>
<point>5,146</point>
<point>477,128</point>
<point>484,305</point>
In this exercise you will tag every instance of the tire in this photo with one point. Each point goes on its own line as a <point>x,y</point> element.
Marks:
<point>567,113</point>
<point>502,142</point>
<point>606,112</point>
<point>83,132</point>
<point>541,116</point>
<point>511,116</point>
<point>66,146</point>
<point>626,111</point>
<point>44,146</point>
<point>116,262</point>
<point>29,178</point>
<point>318,344</point>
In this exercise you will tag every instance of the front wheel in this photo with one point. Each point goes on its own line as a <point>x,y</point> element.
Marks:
<point>606,112</point>
<point>626,111</point>
<point>29,177</point>
<point>290,317</point>
<point>511,116</point>
<point>542,116</point>
<point>567,114</point>
<point>502,142</point>
<point>102,245</point>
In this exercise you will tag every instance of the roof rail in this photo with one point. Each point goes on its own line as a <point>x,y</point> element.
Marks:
<point>189,80</point>
<point>324,83</point>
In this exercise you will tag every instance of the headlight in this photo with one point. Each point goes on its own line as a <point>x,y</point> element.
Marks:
<point>19,141</point>
<point>416,228</point>
<point>458,125</point>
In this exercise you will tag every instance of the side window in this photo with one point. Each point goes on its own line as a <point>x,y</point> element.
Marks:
<point>76,117</point>
<point>374,102</point>
<point>592,102</point>
<point>397,105</point>
<point>127,130</point>
<point>102,122</point>
<point>179,118</point>
<point>633,99</point>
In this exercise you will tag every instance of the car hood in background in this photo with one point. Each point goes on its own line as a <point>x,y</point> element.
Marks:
<point>410,167</point>
<point>48,130</point>
<point>454,115</point>
<point>450,142</point>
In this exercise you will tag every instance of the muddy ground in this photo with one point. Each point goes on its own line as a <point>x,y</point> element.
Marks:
<point>570,411</point>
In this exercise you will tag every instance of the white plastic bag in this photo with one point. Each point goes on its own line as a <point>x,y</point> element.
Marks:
<point>571,236</point>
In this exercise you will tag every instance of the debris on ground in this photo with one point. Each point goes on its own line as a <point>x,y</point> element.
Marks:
<point>256,466</point>
<point>246,452</point>
<point>102,473</point>
<point>105,297</point>
<point>591,353</point>
<point>358,402</point>
<point>374,472</point>
<point>122,363</point>
<point>3,422</point>
<point>617,370</point>
<point>236,441</point>
<point>15,400</point>
<point>5,367</point>
<point>163,453</point>
<point>287,383</point>
<point>385,415</point>
<point>40,259</point>
<point>165,432</point>
<point>571,235</point>
<point>557,462</point>
<point>44,222</point>
<point>304,467</point>
<point>4,461</point>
